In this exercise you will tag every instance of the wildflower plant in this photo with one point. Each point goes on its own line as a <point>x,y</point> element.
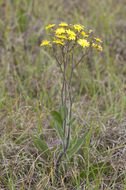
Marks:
<point>70,44</point>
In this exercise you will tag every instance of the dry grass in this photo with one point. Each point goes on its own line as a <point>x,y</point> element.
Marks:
<point>29,90</point>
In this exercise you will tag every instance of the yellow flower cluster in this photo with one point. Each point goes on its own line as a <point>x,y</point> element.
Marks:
<point>64,32</point>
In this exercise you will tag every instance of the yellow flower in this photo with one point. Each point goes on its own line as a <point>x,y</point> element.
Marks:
<point>71,34</point>
<point>98,40</point>
<point>50,26</point>
<point>78,27</point>
<point>99,48</point>
<point>84,35</point>
<point>61,36</point>
<point>94,45</point>
<point>90,31</point>
<point>45,43</point>
<point>63,24</point>
<point>60,31</point>
<point>58,42</point>
<point>83,43</point>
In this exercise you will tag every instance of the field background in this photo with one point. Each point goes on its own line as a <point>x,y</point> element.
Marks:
<point>29,90</point>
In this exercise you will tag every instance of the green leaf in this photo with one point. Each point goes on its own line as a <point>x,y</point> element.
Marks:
<point>74,138</point>
<point>41,144</point>
<point>59,131</point>
<point>57,117</point>
<point>58,125</point>
<point>76,147</point>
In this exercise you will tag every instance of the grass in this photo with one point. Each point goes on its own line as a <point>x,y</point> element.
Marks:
<point>29,90</point>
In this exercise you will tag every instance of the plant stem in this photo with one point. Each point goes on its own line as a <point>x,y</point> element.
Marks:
<point>66,88</point>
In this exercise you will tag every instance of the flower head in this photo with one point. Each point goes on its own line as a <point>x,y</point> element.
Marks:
<point>58,42</point>
<point>90,31</point>
<point>84,35</point>
<point>71,34</point>
<point>99,48</point>
<point>63,24</point>
<point>61,36</point>
<point>50,26</point>
<point>98,40</point>
<point>78,27</point>
<point>60,31</point>
<point>45,43</point>
<point>83,43</point>
<point>94,45</point>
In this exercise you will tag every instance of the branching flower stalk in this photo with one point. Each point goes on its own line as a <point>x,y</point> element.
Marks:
<point>64,41</point>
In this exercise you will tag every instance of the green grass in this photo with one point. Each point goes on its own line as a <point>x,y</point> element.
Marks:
<point>29,91</point>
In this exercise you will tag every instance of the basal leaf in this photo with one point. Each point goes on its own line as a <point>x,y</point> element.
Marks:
<point>59,130</point>
<point>57,117</point>
<point>58,124</point>
<point>76,147</point>
<point>87,144</point>
<point>41,144</point>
